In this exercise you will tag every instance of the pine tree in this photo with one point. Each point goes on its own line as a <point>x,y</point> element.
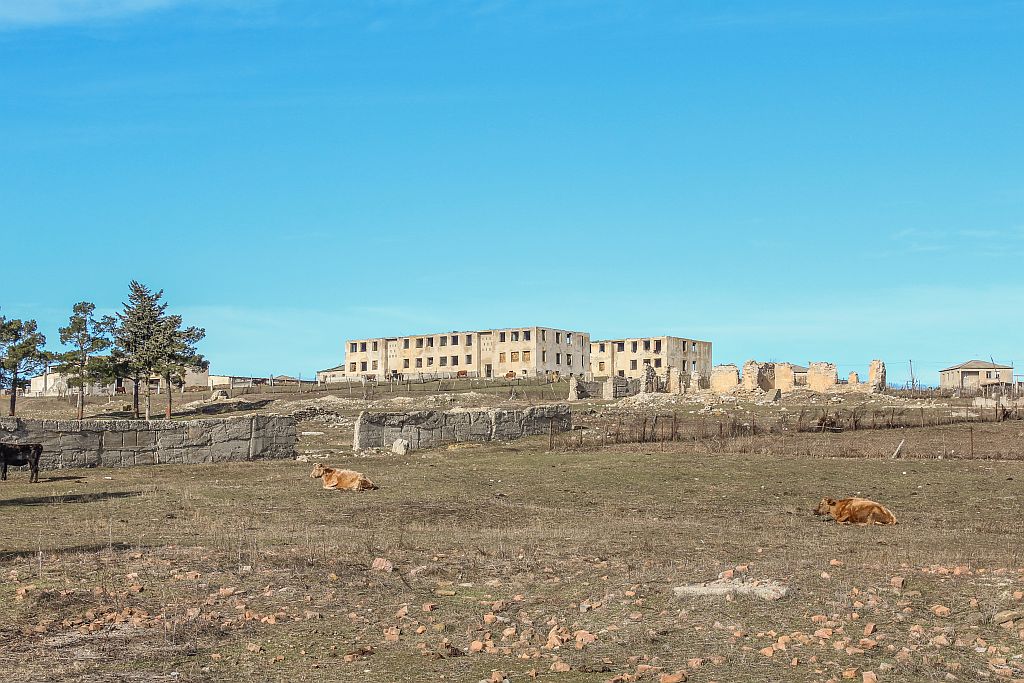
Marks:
<point>179,354</point>
<point>21,355</point>
<point>137,340</point>
<point>87,337</point>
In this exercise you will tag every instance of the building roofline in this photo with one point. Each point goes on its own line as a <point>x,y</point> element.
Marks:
<point>475,331</point>
<point>653,336</point>
<point>977,365</point>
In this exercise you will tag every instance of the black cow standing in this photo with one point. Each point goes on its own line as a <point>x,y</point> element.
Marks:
<point>18,455</point>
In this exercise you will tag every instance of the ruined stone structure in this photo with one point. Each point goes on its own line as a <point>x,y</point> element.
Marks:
<point>676,382</point>
<point>650,382</point>
<point>580,389</point>
<point>725,378</point>
<point>785,377</point>
<point>430,428</point>
<point>758,376</point>
<point>768,377</point>
<point>515,352</point>
<point>627,357</point>
<point>122,443</point>
<point>876,376</point>
<point>620,387</point>
<point>822,377</point>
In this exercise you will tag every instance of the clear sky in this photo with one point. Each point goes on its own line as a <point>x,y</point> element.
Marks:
<point>792,180</point>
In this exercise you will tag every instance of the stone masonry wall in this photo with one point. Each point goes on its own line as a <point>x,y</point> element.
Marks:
<point>785,378</point>
<point>822,377</point>
<point>122,443</point>
<point>430,428</point>
<point>725,378</point>
<point>876,376</point>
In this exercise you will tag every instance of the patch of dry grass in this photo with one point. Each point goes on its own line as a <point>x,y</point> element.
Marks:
<point>251,570</point>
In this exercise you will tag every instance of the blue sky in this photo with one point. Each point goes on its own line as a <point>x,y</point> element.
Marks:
<point>791,180</point>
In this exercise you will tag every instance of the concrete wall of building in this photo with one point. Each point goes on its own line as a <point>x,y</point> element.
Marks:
<point>56,384</point>
<point>432,428</point>
<point>522,351</point>
<point>122,443</point>
<point>967,378</point>
<point>627,357</point>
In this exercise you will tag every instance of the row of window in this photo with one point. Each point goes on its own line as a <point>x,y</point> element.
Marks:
<point>444,361</point>
<point>647,361</point>
<point>634,346</point>
<point>453,340</point>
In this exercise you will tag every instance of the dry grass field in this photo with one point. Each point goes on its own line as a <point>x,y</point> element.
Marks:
<point>507,558</point>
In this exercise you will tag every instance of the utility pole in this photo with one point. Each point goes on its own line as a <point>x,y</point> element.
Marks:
<point>913,384</point>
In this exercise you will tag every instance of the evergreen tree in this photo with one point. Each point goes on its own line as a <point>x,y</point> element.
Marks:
<point>137,339</point>
<point>21,355</point>
<point>87,337</point>
<point>179,354</point>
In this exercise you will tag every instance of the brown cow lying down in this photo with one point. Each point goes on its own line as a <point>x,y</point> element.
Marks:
<point>855,511</point>
<point>341,480</point>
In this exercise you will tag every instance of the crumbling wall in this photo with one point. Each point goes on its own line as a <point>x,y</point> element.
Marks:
<point>581,389</point>
<point>430,428</point>
<point>876,376</point>
<point>758,376</point>
<point>725,378</point>
<point>785,378</point>
<point>698,382</point>
<point>650,382</point>
<point>853,379</point>
<point>675,381</point>
<point>122,443</point>
<point>574,388</point>
<point>620,387</point>
<point>822,377</point>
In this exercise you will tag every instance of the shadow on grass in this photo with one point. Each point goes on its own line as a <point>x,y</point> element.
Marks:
<point>69,498</point>
<point>92,548</point>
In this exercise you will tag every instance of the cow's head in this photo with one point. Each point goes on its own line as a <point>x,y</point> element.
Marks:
<point>318,471</point>
<point>825,506</point>
<point>366,485</point>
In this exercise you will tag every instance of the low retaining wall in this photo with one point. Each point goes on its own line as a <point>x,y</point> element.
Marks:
<point>430,428</point>
<point>122,443</point>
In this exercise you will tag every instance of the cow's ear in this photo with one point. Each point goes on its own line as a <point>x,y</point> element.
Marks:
<point>830,501</point>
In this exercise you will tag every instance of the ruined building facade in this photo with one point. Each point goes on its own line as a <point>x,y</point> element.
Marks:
<point>509,352</point>
<point>628,357</point>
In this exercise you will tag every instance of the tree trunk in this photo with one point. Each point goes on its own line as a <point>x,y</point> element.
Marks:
<point>149,401</point>
<point>167,380</point>
<point>135,396</point>
<point>14,393</point>
<point>81,400</point>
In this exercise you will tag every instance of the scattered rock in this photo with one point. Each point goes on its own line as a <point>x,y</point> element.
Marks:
<point>382,565</point>
<point>727,588</point>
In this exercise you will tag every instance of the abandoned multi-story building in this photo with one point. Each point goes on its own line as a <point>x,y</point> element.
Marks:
<point>509,352</point>
<point>627,357</point>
